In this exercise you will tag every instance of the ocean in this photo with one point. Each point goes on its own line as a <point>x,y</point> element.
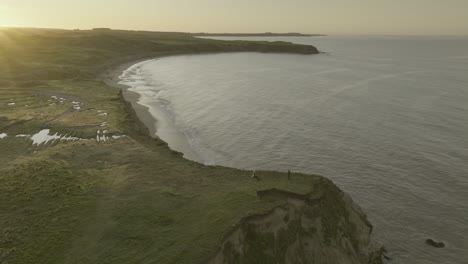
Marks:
<point>384,117</point>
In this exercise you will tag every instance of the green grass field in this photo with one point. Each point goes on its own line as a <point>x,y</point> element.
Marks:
<point>126,200</point>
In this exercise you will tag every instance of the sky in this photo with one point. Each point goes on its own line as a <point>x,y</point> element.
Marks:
<point>381,17</point>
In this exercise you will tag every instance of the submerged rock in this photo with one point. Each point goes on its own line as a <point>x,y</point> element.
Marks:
<point>324,226</point>
<point>434,243</point>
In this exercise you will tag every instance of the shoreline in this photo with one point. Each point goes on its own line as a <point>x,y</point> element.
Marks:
<point>135,199</point>
<point>151,114</point>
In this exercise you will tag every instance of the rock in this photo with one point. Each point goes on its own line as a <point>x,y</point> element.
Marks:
<point>324,226</point>
<point>435,244</point>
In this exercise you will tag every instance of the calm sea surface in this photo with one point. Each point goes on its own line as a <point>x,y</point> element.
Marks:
<point>386,118</point>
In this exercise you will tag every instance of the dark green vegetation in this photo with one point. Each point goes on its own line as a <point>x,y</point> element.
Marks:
<point>322,226</point>
<point>127,200</point>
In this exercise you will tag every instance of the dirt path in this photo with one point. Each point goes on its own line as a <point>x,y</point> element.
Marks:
<point>68,97</point>
<point>71,98</point>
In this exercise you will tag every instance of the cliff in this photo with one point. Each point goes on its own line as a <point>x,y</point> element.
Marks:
<point>323,226</point>
<point>131,199</point>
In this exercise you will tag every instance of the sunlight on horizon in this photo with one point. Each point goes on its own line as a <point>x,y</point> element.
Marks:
<point>412,17</point>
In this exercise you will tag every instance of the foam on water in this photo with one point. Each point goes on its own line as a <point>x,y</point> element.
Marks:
<point>160,109</point>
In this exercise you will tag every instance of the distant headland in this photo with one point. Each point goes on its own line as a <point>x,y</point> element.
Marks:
<point>266,34</point>
<point>204,34</point>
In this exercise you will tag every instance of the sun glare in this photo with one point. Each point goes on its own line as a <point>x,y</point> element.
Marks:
<point>3,36</point>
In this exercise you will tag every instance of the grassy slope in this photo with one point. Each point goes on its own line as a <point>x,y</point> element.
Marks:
<point>130,200</point>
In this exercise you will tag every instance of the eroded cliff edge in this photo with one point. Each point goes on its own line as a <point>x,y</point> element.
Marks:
<point>323,226</point>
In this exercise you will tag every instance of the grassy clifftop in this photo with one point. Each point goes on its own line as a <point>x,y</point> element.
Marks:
<point>116,195</point>
<point>58,54</point>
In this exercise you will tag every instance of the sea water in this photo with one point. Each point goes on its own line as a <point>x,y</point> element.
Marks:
<point>386,118</point>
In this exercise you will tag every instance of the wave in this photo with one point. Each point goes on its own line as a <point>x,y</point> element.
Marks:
<point>150,92</point>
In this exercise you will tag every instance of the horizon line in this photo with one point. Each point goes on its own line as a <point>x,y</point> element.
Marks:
<point>272,32</point>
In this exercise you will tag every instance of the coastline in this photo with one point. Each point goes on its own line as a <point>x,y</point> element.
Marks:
<point>151,114</point>
<point>373,252</point>
<point>132,198</point>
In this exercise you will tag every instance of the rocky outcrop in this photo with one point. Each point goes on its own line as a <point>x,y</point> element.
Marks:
<point>435,244</point>
<point>323,226</point>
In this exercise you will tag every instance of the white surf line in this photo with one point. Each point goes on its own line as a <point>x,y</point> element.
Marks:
<point>3,135</point>
<point>11,104</point>
<point>162,126</point>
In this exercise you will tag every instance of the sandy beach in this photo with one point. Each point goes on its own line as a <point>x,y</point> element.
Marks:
<point>150,112</point>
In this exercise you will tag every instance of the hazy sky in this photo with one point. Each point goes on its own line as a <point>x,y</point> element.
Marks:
<point>309,16</point>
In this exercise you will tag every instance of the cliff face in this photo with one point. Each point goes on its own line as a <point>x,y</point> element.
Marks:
<point>324,226</point>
